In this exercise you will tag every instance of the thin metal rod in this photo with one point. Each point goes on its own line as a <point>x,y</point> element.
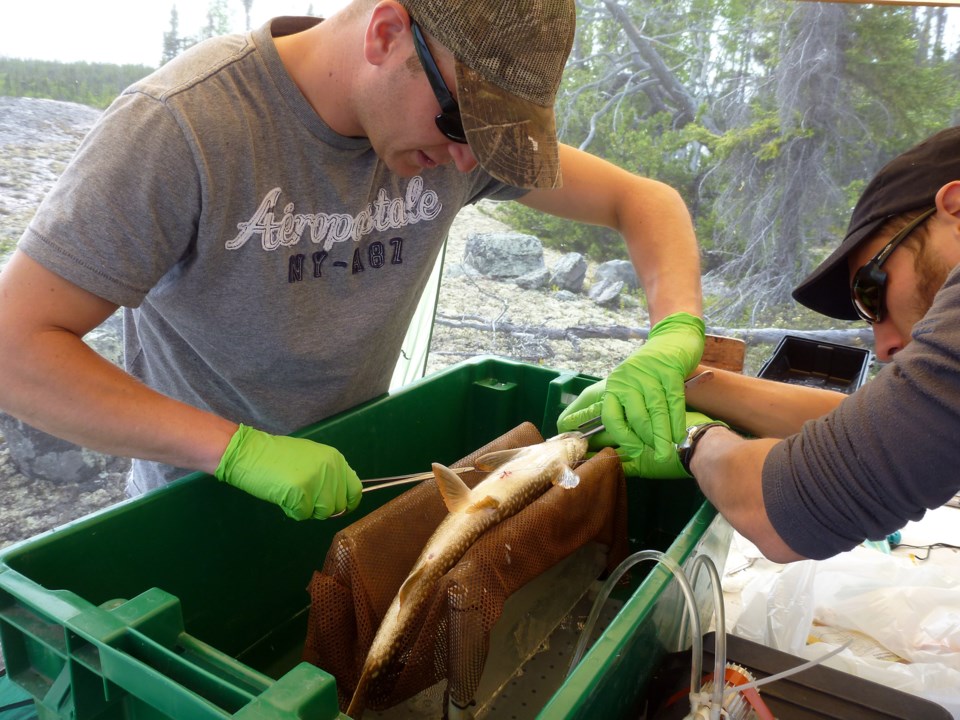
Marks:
<point>594,431</point>
<point>692,382</point>
<point>378,483</point>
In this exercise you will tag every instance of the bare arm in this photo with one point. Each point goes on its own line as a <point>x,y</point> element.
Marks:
<point>764,408</point>
<point>729,470</point>
<point>651,216</point>
<point>56,382</point>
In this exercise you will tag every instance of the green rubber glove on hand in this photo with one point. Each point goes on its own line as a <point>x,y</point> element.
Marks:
<point>645,464</point>
<point>644,405</point>
<point>584,408</point>
<point>306,479</point>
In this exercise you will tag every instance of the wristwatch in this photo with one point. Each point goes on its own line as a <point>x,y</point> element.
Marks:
<point>686,448</point>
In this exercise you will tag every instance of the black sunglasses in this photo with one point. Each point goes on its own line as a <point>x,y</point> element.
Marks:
<point>869,282</point>
<point>448,121</point>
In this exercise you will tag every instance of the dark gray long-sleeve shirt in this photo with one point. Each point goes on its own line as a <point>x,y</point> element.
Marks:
<point>885,455</point>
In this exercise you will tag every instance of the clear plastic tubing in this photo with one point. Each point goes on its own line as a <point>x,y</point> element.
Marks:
<point>685,588</point>
<point>792,671</point>
<point>720,649</point>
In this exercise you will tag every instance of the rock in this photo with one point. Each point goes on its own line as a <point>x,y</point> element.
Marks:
<point>569,272</point>
<point>107,338</point>
<point>536,280</point>
<point>37,139</point>
<point>43,477</point>
<point>565,296</point>
<point>40,455</point>
<point>503,255</point>
<point>606,293</point>
<point>453,270</point>
<point>38,121</point>
<point>617,270</point>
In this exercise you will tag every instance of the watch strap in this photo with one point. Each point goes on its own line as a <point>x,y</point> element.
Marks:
<point>694,433</point>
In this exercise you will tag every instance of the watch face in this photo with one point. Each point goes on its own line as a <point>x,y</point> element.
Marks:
<point>688,436</point>
<point>686,448</point>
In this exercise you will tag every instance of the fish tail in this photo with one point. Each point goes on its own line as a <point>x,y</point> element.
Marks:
<point>358,701</point>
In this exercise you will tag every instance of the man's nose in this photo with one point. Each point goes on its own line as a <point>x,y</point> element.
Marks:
<point>887,340</point>
<point>462,157</point>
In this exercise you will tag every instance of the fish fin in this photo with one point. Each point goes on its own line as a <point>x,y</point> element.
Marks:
<point>455,493</point>
<point>359,700</point>
<point>412,579</point>
<point>492,460</point>
<point>488,503</point>
<point>568,479</point>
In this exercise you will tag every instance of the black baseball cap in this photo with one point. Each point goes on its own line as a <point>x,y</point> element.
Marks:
<point>908,182</point>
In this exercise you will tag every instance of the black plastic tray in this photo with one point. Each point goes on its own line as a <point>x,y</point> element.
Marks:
<point>800,361</point>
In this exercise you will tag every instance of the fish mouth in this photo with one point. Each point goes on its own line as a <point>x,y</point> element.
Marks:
<point>577,445</point>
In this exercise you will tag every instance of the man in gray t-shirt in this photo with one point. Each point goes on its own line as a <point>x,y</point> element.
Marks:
<point>850,468</point>
<point>266,208</point>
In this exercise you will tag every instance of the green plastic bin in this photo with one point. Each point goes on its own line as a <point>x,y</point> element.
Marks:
<point>190,603</point>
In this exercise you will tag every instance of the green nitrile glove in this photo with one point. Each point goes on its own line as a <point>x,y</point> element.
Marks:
<point>644,405</point>
<point>586,407</point>
<point>306,479</point>
<point>645,464</point>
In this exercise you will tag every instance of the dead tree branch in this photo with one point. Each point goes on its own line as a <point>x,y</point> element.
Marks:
<point>622,332</point>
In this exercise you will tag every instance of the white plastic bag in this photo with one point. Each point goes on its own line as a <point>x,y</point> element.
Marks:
<point>909,609</point>
<point>912,609</point>
<point>777,607</point>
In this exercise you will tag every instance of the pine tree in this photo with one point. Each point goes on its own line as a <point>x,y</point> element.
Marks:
<point>172,44</point>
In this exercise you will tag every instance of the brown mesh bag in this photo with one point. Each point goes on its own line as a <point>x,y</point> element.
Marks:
<point>369,560</point>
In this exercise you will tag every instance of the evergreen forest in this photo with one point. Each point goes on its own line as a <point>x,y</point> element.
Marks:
<point>769,116</point>
<point>93,84</point>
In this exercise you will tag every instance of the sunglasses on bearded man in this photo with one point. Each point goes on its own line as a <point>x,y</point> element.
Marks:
<point>869,282</point>
<point>448,121</point>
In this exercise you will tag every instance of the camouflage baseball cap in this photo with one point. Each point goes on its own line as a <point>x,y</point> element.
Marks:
<point>510,58</point>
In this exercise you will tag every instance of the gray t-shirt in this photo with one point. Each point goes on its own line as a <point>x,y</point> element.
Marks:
<point>269,267</point>
<point>887,454</point>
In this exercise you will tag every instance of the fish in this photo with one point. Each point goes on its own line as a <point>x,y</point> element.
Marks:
<point>517,478</point>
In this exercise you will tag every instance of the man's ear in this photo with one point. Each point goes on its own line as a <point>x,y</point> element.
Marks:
<point>389,23</point>
<point>948,198</point>
<point>948,203</point>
